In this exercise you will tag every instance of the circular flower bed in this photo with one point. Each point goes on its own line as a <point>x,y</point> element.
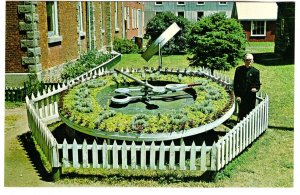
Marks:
<point>88,104</point>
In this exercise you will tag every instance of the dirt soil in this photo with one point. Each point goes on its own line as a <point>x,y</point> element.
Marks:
<point>22,165</point>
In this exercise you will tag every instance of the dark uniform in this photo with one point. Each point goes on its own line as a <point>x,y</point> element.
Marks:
<point>246,78</point>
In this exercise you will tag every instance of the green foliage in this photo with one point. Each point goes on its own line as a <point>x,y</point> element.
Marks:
<point>103,116</point>
<point>82,102</point>
<point>87,61</point>
<point>94,83</point>
<point>125,46</point>
<point>205,107</point>
<point>216,42</point>
<point>33,85</point>
<point>178,120</point>
<point>212,94</point>
<point>139,122</point>
<point>158,24</point>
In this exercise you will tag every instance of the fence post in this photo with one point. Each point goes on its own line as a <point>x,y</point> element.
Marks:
<point>56,168</point>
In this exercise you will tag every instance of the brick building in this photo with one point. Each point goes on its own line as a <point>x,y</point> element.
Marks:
<point>41,36</point>
<point>258,20</point>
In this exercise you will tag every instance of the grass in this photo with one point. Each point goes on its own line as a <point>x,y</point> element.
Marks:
<point>268,162</point>
<point>12,105</point>
<point>136,61</point>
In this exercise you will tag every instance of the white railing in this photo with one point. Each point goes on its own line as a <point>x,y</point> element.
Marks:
<point>161,156</point>
<point>43,110</point>
<point>244,133</point>
<point>42,134</point>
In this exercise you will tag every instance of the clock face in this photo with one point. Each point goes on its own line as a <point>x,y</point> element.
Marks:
<point>139,104</point>
<point>152,104</point>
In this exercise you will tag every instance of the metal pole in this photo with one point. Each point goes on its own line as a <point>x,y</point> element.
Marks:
<point>159,57</point>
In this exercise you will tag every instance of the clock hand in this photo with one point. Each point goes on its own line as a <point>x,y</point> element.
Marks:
<point>155,89</point>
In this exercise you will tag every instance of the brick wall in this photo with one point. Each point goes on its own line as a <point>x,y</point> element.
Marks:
<point>66,50</point>
<point>13,51</point>
<point>270,32</point>
<point>132,32</point>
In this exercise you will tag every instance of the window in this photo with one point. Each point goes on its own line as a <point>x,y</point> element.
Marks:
<point>128,18</point>
<point>80,19</point>
<point>134,18</point>
<point>116,17</point>
<point>52,22</point>
<point>181,14</point>
<point>200,3</point>
<point>158,2</point>
<point>258,28</point>
<point>180,3</point>
<point>223,3</point>
<point>199,15</point>
<point>52,18</point>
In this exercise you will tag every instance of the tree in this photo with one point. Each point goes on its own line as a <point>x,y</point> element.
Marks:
<point>158,24</point>
<point>216,42</point>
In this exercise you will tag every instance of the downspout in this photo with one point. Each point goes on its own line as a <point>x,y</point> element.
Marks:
<point>89,24</point>
<point>123,20</point>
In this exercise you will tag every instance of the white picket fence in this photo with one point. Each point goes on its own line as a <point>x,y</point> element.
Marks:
<point>136,156</point>
<point>43,110</point>
<point>191,157</point>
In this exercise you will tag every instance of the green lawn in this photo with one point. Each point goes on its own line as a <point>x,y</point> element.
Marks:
<point>268,162</point>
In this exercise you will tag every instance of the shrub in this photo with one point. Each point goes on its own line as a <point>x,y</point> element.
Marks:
<point>139,122</point>
<point>87,61</point>
<point>103,116</point>
<point>158,24</point>
<point>125,46</point>
<point>216,42</point>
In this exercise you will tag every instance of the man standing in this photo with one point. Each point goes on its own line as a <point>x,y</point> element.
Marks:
<point>246,83</point>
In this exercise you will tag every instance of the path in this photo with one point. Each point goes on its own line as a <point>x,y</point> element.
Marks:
<point>19,169</point>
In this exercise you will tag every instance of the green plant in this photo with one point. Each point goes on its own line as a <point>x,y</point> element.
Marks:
<point>139,122</point>
<point>87,61</point>
<point>94,83</point>
<point>160,22</point>
<point>33,85</point>
<point>125,46</point>
<point>103,116</point>
<point>216,42</point>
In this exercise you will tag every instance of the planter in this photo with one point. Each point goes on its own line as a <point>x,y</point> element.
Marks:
<point>83,119</point>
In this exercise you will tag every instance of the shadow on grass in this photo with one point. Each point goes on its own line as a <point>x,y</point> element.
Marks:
<point>28,145</point>
<point>271,59</point>
<point>281,128</point>
<point>161,177</point>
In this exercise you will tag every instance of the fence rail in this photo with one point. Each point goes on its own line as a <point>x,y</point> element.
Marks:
<point>18,94</point>
<point>132,156</point>
<point>42,109</point>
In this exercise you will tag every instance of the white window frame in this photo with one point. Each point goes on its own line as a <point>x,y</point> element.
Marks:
<point>80,10</point>
<point>53,35</point>
<point>252,28</point>
<point>222,2</point>
<point>54,19</point>
<point>180,3</point>
<point>128,18</point>
<point>158,2</point>
<point>117,29</point>
<point>200,2</point>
